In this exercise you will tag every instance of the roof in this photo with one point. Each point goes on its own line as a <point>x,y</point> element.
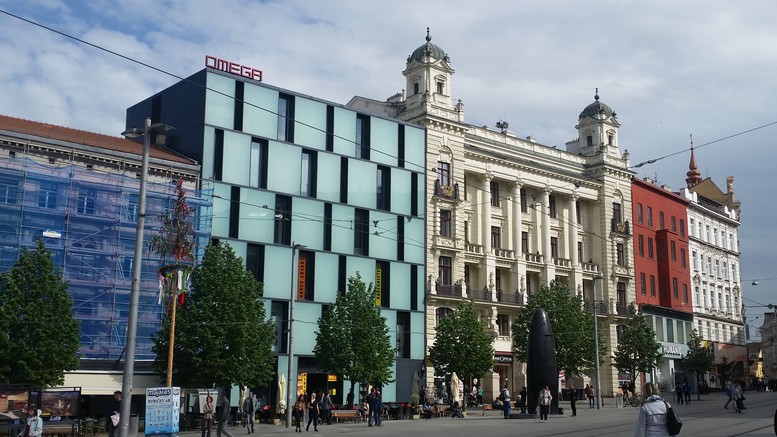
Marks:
<point>596,108</point>
<point>75,136</point>
<point>434,51</point>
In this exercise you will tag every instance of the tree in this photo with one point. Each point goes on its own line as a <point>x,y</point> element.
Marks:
<point>698,359</point>
<point>461,344</point>
<point>638,350</point>
<point>573,328</point>
<point>223,336</point>
<point>352,340</point>
<point>39,338</point>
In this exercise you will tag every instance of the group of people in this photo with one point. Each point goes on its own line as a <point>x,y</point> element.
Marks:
<point>683,393</point>
<point>316,407</point>
<point>735,393</point>
<point>543,402</point>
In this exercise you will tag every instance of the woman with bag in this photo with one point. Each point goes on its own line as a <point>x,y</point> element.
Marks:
<point>652,420</point>
<point>298,413</point>
<point>207,416</point>
<point>543,402</point>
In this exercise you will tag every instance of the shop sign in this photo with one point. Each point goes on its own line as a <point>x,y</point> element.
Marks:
<point>331,378</point>
<point>233,68</point>
<point>503,359</point>
<point>674,350</point>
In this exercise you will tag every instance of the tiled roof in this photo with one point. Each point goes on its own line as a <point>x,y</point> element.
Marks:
<point>92,139</point>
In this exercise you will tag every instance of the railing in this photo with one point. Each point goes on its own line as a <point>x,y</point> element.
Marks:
<point>561,262</point>
<point>602,308</point>
<point>502,253</point>
<point>473,248</point>
<point>445,290</point>
<point>484,294</point>
<point>590,267</point>
<point>533,258</point>
<point>622,309</point>
<point>446,191</point>
<point>503,297</point>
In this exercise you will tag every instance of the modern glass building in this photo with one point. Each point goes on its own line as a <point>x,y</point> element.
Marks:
<point>292,169</point>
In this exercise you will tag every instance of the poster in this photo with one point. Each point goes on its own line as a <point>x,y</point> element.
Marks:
<point>163,406</point>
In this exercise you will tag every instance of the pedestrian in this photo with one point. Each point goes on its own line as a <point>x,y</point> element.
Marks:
<point>729,393</point>
<point>522,399</point>
<point>504,396</point>
<point>572,399</point>
<point>739,397</point>
<point>378,408</point>
<point>207,416</point>
<point>34,425</point>
<point>370,406</point>
<point>326,408</point>
<point>313,411</point>
<point>543,401</point>
<point>298,413</point>
<point>249,409</point>
<point>226,410</point>
<point>652,415</point>
<point>480,396</point>
<point>589,393</point>
<point>678,391</point>
<point>113,415</point>
<point>687,392</point>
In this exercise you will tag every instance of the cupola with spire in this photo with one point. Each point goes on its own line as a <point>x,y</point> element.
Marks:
<point>694,177</point>
<point>428,75</point>
<point>597,126</point>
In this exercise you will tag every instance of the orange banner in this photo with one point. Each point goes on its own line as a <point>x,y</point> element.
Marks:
<point>301,275</point>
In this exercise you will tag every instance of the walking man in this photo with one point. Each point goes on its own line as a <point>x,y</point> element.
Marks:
<point>687,392</point>
<point>572,399</point>
<point>226,409</point>
<point>115,408</point>
<point>506,401</point>
<point>522,399</point>
<point>730,393</point>
<point>249,410</point>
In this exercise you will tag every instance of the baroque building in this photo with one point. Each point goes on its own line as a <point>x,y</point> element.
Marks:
<point>713,225</point>
<point>507,214</point>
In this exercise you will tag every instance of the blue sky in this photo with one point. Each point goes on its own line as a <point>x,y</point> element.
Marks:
<point>669,69</point>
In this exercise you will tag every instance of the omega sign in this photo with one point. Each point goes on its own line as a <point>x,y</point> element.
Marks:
<point>233,68</point>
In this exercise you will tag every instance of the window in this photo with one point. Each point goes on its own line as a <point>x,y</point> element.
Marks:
<point>694,262</point>
<point>577,212</point>
<point>670,330</point>
<point>282,220</point>
<point>286,118</point>
<point>642,284</point>
<point>552,206</point>
<point>361,232</point>
<point>675,291</point>
<point>442,313</point>
<point>234,212</point>
<point>496,237</point>
<point>682,228</point>
<point>621,293</point>
<point>617,217</point>
<point>685,294</point>
<point>717,268</point>
<point>673,251</point>
<point>258,175</point>
<point>524,206</point>
<point>641,245</point>
<point>723,239</point>
<point>47,195</point>
<point>279,312</point>
<point>308,173</point>
<point>503,324</point>
<point>673,221</point>
<point>650,217</point>
<point>440,87</point>
<point>639,213</point>
<point>691,223</point>
<point>525,242</point>
<point>494,193</point>
<point>707,233</point>
<point>414,194</point>
<point>85,201</point>
<point>328,227</point>
<point>466,231</point>
<point>683,261</point>
<point>498,279</point>
<point>403,334</point>
<point>362,136</point>
<point>580,250</point>
<point>554,247</point>
<point>620,253</point>
<point>9,191</point>
<point>610,139</point>
<point>661,220</point>
<point>724,270</point>
<point>444,173</point>
<point>589,140</point>
<point>383,191</point>
<point>416,88</point>
<point>400,238</point>
<point>620,330</point>
<point>650,248</point>
<point>652,286</point>
<point>715,236</point>
<point>255,260</point>
<point>444,267</point>
<point>445,223</point>
<point>131,207</point>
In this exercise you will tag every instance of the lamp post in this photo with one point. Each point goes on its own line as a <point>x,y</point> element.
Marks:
<point>596,346</point>
<point>132,319</point>
<point>294,274</point>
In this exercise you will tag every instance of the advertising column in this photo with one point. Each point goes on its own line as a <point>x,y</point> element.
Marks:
<point>163,406</point>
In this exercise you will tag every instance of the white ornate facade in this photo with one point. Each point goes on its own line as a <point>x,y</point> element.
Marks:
<point>507,214</point>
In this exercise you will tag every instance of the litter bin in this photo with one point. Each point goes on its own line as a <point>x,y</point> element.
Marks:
<point>619,401</point>
<point>133,426</point>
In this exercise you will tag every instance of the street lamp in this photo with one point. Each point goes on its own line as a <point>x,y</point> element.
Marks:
<point>132,320</point>
<point>294,248</point>
<point>596,346</point>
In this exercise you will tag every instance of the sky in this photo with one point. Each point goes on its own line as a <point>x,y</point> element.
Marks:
<point>669,69</point>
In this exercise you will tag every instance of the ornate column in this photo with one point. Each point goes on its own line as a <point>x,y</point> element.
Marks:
<point>573,240</point>
<point>517,219</point>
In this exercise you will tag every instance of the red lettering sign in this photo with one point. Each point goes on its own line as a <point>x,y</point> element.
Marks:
<point>233,68</point>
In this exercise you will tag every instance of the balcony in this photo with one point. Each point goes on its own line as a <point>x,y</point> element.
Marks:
<point>473,248</point>
<point>602,308</point>
<point>620,227</point>
<point>533,258</point>
<point>445,290</point>
<point>621,309</point>
<point>561,262</point>
<point>450,192</point>
<point>476,294</point>
<point>513,298</point>
<point>502,253</point>
<point>590,267</point>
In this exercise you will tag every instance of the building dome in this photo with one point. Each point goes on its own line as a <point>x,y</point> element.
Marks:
<point>597,108</point>
<point>432,50</point>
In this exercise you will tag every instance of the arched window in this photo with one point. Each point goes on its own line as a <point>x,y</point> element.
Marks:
<point>442,313</point>
<point>416,88</point>
<point>619,331</point>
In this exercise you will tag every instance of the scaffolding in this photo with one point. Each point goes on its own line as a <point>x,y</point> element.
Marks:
<point>88,221</point>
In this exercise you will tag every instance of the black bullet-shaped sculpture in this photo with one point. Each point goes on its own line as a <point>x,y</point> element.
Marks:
<point>541,368</point>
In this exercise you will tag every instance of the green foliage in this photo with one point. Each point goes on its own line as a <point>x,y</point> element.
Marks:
<point>461,345</point>
<point>699,358</point>
<point>222,336</point>
<point>352,340</point>
<point>573,328</point>
<point>638,350</point>
<point>39,338</point>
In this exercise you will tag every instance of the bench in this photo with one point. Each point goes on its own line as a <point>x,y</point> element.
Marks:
<point>346,415</point>
<point>442,410</point>
<point>486,407</point>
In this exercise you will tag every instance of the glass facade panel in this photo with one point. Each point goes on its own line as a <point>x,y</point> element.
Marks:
<point>326,277</point>
<point>257,223</point>
<point>415,149</point>
<point>308,228</point>
<point>208,145</point>
<point>310,126</point>
<point>284,168</point>
<point>328,183</point>
<point>417,323</point>
<point>383,141</point>
<point>220,106</point>
<point>345,134</point>
<point>400,280</point>
<point>342,229</point>
<point>414,242</point>
<point>400,191</point>
<point>277,267</point>
<point>365,267</point>
<point>306,315</point>
<point>236,159</point>
<point>256,121</point>
<point>361,183</point>
<point>383,245</point>
<point>221,205</point>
